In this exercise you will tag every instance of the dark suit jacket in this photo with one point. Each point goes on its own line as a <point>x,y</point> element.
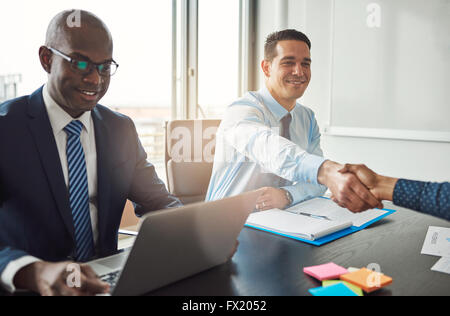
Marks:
<point>35,216</point>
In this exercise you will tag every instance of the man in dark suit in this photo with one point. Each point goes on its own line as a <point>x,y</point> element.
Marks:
<point>68,165</point>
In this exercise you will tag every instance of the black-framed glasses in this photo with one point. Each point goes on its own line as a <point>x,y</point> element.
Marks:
<point>85,67</point>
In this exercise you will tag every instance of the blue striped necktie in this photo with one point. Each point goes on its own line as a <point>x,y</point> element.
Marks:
<point>79,193</point>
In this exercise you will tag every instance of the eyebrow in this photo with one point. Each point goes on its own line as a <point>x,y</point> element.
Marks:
<point>293,58</point>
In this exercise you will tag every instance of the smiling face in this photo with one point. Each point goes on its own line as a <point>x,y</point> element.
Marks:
<point>289,72</point>
<point>77,93</point>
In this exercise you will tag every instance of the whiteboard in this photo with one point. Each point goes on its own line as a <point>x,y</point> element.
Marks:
<point>391,69</point>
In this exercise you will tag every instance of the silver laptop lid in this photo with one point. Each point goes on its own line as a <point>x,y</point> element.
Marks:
<point>173,244</point>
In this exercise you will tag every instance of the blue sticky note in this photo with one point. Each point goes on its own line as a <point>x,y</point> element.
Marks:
<point>339,289</point>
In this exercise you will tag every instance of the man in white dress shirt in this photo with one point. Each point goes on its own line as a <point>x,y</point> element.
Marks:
<point>268,140</point>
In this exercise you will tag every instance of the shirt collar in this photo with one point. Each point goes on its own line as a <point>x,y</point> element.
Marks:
<point>60,118</point>
<point>276,108</point>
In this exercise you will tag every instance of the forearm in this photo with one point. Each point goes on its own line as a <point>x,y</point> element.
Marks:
<point>150,194</point>
<point>147,190</point>
<point>273,153</point>
<point>385,187</point>
<point>425,197</point>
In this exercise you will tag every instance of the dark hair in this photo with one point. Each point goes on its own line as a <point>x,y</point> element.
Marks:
<point>285,35</point>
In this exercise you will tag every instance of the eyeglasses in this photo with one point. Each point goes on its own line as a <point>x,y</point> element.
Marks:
<point>85,67</point>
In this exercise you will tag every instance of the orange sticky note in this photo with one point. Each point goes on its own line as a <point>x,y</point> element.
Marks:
<point>367,279</point>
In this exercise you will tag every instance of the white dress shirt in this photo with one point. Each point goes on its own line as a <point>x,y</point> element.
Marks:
<point>250,153</point>
<point>58,120</point>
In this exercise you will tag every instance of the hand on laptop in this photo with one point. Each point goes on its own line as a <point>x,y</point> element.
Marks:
<point>346,188</point>
<point>56,279</point>
<point>271,198</point>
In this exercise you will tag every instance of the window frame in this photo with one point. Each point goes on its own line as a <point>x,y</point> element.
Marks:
<point>185,55</point>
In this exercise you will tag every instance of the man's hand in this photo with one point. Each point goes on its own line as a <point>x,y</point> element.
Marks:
<point>347,189</point>
<point>381,187</point>
<point>271,198</point>
<point>54,279</point>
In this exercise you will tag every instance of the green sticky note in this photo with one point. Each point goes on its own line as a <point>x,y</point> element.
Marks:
<point>352,287</point>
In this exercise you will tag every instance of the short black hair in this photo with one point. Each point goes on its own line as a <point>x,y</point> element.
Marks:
<point>285,35</point>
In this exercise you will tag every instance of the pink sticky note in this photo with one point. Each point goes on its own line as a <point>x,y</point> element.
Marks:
<point>327,271</point>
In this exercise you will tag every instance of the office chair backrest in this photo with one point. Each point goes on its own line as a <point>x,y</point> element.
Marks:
<point>190,148</point>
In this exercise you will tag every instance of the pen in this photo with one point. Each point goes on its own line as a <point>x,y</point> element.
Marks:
<point>309,215</point>
<point>315,216</point>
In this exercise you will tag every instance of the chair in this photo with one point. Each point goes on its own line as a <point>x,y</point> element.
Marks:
<point>129,218</point>
<point>187,176</point>
<point>190,148</point>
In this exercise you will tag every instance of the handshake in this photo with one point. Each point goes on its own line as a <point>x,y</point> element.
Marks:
<point>354,187</point>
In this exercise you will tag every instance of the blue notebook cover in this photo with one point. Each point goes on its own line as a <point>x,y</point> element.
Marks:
<point>333,236</point>
<point>339,289</point>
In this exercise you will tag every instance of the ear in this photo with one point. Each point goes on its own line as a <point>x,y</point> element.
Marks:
<point>266,67</point>
<point>45,57</point>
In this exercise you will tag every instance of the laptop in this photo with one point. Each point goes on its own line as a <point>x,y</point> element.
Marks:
<point>173,244</point>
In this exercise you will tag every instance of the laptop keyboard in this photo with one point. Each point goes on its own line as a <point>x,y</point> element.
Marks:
<point>111,278</point>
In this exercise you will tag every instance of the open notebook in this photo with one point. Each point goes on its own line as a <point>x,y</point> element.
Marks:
<point>315,221</point>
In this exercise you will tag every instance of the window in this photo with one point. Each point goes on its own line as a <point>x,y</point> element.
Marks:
<point>218,56</point>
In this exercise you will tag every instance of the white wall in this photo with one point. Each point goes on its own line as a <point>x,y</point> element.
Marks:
<point>420,160</point>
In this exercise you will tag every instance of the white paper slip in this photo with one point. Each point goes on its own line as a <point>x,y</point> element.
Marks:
<point>437,242</point>
<point>443,265</point>
<point>297,225</point>
<point>326,207</point>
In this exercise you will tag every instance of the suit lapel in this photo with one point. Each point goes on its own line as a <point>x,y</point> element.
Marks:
<point>103,172</point>
<point>42,132</point>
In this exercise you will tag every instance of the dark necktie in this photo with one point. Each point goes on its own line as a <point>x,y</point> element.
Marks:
<point>285,124</point>
<point>79,193</point>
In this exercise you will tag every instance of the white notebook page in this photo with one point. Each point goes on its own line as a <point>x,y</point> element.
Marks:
<point>295,224</point>
<point>326,207</point>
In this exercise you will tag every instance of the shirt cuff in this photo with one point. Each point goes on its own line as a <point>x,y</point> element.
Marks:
<point>299,195</point>
<point>294,195</point>
<point>309,169</point>
<point>7,277</point>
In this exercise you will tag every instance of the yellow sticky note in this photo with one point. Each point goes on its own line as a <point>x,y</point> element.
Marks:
<point>352,287</point>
